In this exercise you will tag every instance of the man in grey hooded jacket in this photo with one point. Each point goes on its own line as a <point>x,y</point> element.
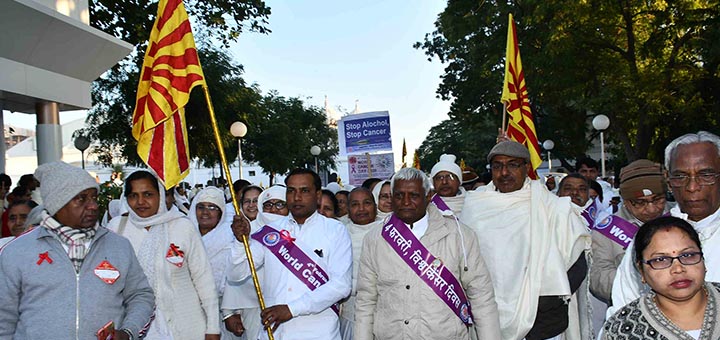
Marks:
<point>68,278</point>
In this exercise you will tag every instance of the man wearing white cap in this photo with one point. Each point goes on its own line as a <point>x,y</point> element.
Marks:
<point>534,245</point>
<point>447,178</point>
<point>69,278</point>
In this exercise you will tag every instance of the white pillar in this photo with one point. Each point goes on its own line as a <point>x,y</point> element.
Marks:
<point>2,145</point>
<point>48,132</point>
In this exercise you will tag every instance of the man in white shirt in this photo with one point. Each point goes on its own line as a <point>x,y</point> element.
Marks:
<point>692,164</point>
<point>307,261</point>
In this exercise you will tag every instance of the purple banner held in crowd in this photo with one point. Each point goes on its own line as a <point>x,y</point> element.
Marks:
<point>430,269</point>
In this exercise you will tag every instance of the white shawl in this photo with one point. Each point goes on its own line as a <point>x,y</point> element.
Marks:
<point>357,234</point>
<point>217,241</point>
<point>456,202</point>
<point>529,238</point>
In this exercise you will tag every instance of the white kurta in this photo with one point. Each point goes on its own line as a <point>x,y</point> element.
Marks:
<point>357,234</point>
<point>312,316</point>
<point>529,238</point>
<point>628,284</point>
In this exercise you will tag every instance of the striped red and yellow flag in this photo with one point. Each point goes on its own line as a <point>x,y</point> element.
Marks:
<point>521,127</point>
<point>170,71</point>
<point>416,160</point>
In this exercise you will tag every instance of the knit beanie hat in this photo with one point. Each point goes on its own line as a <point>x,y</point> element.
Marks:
<point>61,182</point>
<point>447,163</point>
<point>509,148</point>
<point>641,178</point>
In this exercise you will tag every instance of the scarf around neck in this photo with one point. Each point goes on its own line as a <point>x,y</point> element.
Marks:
<point>73,238</point>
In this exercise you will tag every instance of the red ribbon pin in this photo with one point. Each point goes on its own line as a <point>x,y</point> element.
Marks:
<point>44,257</point>
<point>285,235</point>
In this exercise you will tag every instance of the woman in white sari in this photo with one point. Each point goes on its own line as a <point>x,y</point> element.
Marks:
<point>207,213</point>
<point>174,260</point>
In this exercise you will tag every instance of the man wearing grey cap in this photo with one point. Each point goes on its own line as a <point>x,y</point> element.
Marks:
<point>534,244</point>
<point>68,278</point>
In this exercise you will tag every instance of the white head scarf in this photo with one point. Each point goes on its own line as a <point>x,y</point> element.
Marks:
<point>276,192</point>
<point>162,215</point>
<point>376,195</point>
<point>115,209</point>
<point>208,195</point>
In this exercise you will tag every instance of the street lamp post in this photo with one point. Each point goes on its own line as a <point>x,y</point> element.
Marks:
<point>82,143</point>
<point>238,129</point>
<point>315,151</point>
<point>548,145</point>
<point>600,123</point>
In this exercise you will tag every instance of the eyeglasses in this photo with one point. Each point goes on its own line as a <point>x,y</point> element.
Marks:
<point>278,205</point>
<point>511,166</point>
<point>642,204</point>
<point>448,177</point>
<point>207,207</point>
<point>708,178</point>
<point>664,262</point>
<point>253,201</point>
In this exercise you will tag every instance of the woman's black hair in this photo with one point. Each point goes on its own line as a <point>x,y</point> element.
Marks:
<point>29,203</point>
<point>333,199</point>
<point>140,174</point>
<point>598,188</point>
<point>650,228</point>
<point>248,188</point>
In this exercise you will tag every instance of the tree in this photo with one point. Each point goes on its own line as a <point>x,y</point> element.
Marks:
<point>114,93</point>
<point>651,66</point>
<point>282,132</point>
<point>109,121</point>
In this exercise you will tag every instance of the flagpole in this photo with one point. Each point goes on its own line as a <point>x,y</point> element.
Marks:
<point>504,119</point>
<point>226,169</point>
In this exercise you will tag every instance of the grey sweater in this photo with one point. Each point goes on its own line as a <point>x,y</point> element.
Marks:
<point>44,300</point>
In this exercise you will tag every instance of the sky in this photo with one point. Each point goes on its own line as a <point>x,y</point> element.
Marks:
<point>347,51</point>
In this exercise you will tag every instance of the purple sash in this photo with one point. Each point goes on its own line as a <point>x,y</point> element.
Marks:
<point>613,227</point>
<point>440,204</point>
<point>430,269</point>
<point>280,244</point>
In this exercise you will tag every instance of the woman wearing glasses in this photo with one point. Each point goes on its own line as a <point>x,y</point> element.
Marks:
<point>206,213</point>
<point>249,200</point>
<point>240,308</point>
<point>680,304</point>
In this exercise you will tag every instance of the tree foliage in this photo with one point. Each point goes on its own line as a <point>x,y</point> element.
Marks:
<point>280,130</point>
<point>224,21</point>
<point>651,66</point>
